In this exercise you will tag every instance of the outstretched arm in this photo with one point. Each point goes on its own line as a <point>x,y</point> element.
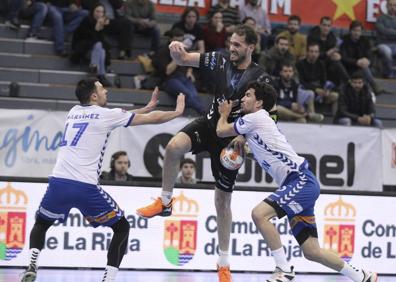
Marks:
<point>150,105</point>
<point>225,129</point>
<point>181,56</point>
<point>160,116</point>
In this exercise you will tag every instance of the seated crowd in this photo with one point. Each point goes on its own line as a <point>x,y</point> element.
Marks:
<point>315,74</point>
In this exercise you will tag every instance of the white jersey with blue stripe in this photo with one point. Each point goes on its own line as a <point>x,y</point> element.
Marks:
<point>84,141</point>
<point>269,146</point>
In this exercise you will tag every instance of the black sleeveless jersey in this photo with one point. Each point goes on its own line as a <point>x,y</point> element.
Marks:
<point>226,82</point>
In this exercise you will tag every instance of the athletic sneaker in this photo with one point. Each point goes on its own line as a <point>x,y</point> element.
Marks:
<point>224,274</point>
<point>370,276</point>
<point>30,274</point>
<point>156,209</point>
<point>281,276</point>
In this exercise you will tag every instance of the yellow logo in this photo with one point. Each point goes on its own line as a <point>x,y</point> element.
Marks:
<point>13,205</point>
<point>180,231</point>
<point>339,229</point>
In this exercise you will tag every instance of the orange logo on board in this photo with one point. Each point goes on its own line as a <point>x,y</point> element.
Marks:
<point>180,231</point>
<point>13,205</point>
<point>339,228</point>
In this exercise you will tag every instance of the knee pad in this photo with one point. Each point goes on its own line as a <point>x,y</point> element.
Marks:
<point>42,223</point>
<point>225,183</point>
<point>121,226</point>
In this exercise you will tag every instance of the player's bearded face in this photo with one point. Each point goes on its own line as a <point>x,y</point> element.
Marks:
<point>238,49</point>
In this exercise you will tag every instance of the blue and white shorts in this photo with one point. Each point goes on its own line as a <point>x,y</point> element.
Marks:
<point>296,198</point>
<point>93,202</point>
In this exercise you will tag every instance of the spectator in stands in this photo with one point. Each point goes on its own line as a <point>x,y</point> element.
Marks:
<point>249,21</point>
<point>254,10</point>
<point>355,105</point>
<point>193,36</point>
<point>313,76</point>
<point>89,40</point>
<point>119,165</point>
<point>27,9</point>
<point>329,53</point>
<point>118,28</point>
<point>294,103</point>
<point>230,14</point>
<point>187,170</point>
<point>214,33</point>
<point>177,79</point>
<point>142,15</point>
<point>386,33</point>
<point>297,40</point>
<point>356,54</point>
<point>59,13</point>
<point>279,54</point>
<point>13,9</point>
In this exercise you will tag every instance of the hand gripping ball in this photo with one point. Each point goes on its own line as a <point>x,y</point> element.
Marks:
<point>232,158</point>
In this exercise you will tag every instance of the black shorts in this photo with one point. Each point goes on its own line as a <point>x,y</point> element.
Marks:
<point>203,138</point>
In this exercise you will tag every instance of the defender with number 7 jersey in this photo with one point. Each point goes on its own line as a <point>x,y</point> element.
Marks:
<point>88,127</point>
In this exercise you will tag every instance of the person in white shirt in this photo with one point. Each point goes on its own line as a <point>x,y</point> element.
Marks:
<point>74,180</point>
<point>298,187</point>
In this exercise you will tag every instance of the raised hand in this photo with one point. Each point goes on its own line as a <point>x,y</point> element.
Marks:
<point>180,104</point>
<point>225,108</point>
<point>177,51</point>
<point>154,100</point>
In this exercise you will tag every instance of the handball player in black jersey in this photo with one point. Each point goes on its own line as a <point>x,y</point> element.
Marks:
<point>227,79</point>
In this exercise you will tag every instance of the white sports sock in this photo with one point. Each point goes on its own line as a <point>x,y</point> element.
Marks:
<point>166,197</point>
<point>110,273</point>
<point>281,260</point>
<point>34,254</point>
<point>223,258</point>
<point>354,273</point>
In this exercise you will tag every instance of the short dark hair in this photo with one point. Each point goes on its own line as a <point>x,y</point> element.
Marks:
<point>287,64</point>
<point>248,32</point>
<point>187,161</point>
<point>355,24</point>
<point>248,18</point>
<point>281,37</point>
<point>264,92</point>
<point>84,90</point>
<point>175,32</point>
<point>294,18</point>
<point>313,43</point>
<point>357,75</point>
<point>325,18</point>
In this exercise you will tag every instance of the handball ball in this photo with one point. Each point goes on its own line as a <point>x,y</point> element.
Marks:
<point>231,158</point>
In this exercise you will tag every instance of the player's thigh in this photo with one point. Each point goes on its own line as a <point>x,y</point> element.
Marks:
<point>180,143</point>
<point>98,207</point>
<point>298,193</point>
<point>57,200</point>
<point>263,211</point>
<point>196,133</point>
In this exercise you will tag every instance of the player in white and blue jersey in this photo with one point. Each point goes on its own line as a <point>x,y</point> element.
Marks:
<point>74,180</point>
<point>298,187</point>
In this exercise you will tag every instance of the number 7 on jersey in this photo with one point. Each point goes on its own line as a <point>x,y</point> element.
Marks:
<point>81,128</point>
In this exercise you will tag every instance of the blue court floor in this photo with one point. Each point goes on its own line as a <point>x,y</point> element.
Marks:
<point>75,275</point>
